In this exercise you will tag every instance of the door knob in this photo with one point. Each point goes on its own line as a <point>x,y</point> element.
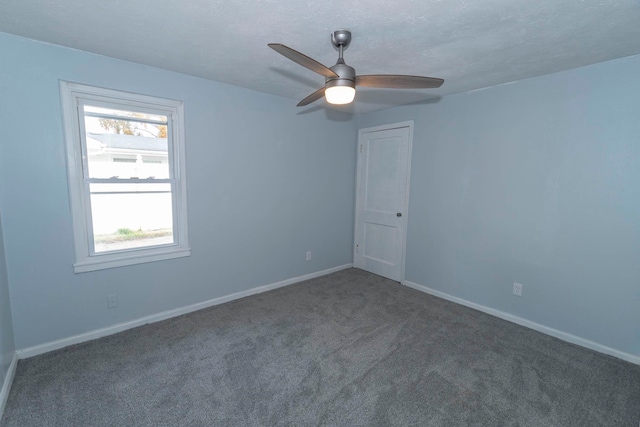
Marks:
<point>399,214</point>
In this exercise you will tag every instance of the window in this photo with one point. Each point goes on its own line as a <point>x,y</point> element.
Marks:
<point>125,155</point>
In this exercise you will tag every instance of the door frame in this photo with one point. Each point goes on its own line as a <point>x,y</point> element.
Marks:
<point>359,199</point>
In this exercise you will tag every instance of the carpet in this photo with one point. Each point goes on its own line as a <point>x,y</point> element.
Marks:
<point>346,349</point>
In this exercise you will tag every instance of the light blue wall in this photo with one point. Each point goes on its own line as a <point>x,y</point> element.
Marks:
<point>7,348</point>
<point>265,184</point>
<point>536,182</point>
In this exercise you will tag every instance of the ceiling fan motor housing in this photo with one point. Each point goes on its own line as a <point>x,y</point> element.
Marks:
<point>347,75</point>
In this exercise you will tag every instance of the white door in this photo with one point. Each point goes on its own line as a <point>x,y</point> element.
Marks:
<point>384,155</point>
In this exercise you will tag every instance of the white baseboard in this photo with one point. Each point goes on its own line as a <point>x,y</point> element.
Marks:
<point>110,330</point>
<point>530,324</point>
<point>6,387</point>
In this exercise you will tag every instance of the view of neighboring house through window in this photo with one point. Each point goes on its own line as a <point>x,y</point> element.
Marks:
<point>130,204</point>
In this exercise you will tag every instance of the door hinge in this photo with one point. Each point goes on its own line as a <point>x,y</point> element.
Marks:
<point>360,148</point>
<point>358,248</point>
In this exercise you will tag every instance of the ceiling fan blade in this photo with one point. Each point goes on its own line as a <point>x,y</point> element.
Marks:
<point>395,81</point>
<point>302,59</point>
<point>311,98</point>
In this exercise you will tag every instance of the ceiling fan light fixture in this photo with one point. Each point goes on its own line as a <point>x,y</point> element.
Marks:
<point>340,95</point>
<point>340,91</point>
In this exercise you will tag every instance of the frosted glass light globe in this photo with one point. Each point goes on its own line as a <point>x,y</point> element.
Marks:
<point>340,94</point>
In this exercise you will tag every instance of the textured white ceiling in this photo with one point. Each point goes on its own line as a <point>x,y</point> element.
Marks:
<point>470,43</point>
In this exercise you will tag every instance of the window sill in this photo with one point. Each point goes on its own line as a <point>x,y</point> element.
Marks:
<point>120,260</point>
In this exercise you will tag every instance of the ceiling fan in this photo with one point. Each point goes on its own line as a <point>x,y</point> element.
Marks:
<point>341,80</point>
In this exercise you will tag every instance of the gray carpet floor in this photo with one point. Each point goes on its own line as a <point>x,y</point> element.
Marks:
<point>347,349</point>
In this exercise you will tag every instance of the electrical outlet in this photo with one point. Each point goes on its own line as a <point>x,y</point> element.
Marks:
<point>308,255</point>
<point>112,301</point>
<point>517,289</point>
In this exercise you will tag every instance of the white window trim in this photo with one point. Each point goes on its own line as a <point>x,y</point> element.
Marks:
<point>71,94</point>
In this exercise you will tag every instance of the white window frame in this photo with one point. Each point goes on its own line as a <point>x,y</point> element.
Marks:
<point>73,96</point>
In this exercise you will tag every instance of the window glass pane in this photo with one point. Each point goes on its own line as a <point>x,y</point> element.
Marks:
<point>124,113</point>
<point>128,216</point>
<point>125,149</point>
